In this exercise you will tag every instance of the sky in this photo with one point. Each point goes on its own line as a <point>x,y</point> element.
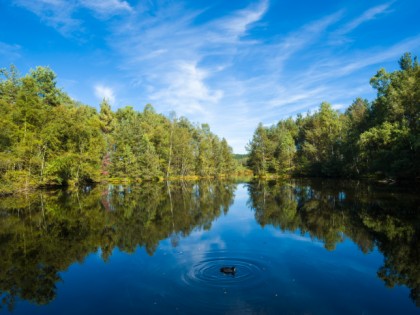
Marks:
<point>231,64</point>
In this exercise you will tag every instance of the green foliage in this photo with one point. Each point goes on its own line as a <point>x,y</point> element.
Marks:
<point>379,138</point>
<point>148,145</point>
<point>396,116</point>
<point>48,139</point>
<point>45,85</point>
<point>322,134</point>
<point>356,121</point>
<point>260,151</point>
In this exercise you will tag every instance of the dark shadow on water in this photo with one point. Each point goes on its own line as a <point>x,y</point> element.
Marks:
<point>384,216</point>
<point>44,233</point>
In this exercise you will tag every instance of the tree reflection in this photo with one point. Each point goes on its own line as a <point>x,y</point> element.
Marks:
<point>44,233</point>
<point>367,214</point>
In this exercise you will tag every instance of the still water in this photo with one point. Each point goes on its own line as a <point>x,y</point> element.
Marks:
<point>298,247</point>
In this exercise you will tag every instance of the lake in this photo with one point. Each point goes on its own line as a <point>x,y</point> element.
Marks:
<point>298,247</point>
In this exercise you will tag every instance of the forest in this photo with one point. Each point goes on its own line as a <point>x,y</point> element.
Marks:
<point>48,139</point>
<point>377,139</point>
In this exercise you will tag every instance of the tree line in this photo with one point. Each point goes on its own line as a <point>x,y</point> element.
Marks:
<point>47,138</point>
<point>378,138</point>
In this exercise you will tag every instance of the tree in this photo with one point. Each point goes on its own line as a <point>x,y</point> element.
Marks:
<point>48,139</point>
<point>285,151</point>
<point>226,163</point>
<point>183,161</point>
<point>148,160</point>
<point>45,84</point>
<point>380,138</point>
<point>259,149</point>
<point>106,117</point>
<point>322,142</point>
<point>356,121</point>
<point>396,114</point>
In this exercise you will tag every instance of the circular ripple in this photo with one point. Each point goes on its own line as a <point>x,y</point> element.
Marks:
<point>249,273</point>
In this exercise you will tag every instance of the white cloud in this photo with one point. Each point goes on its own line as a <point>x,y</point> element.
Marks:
<point>104,92</point>
<point>338,37</point>
<point>11,52</point>
<point>54,13</point>
<point>106,8</point>
<point>348,64</point>
<point>288,46</point>
<point>237,24</point>
<point>59,14</point>
<point>216,69</point>
<point>339,106</point>
<point>186,90</point>
<point>368,15</point>
<point>177,63</point>
<point>214,72</point>
<point>296,237</point>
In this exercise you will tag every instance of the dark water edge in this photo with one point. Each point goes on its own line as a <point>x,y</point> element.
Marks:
<point>300,247</point>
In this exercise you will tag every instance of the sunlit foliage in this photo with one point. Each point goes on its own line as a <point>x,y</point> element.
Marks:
<point>380,138</point>
<point>46,139</point>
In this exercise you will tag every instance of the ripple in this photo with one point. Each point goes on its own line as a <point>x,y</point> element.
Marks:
<point>249,273</point>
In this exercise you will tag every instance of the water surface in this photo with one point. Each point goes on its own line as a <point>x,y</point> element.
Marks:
<point>299,247</point>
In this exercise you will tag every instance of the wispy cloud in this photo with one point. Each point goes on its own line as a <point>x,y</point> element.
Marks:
<point>187,83</point>
<point>237,24</point>
<point>177,61</point>
<point>287,47</point>
<point>296,237</point>
<point>217,67</point>
<point>106,8</point>
<point>54,13</point>
<point>11,52</point>
<point>347,64</point>
<point>61,14</point>
<point>338,37</point>
<point>104,92</point>
<point>197,69</point>
<point>366,16</point>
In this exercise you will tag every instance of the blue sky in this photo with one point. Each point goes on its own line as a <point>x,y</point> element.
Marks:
<point>231,64</point>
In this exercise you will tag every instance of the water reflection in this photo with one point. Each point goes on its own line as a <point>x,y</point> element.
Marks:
<point>370,215</point>
<point>44,233</point>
